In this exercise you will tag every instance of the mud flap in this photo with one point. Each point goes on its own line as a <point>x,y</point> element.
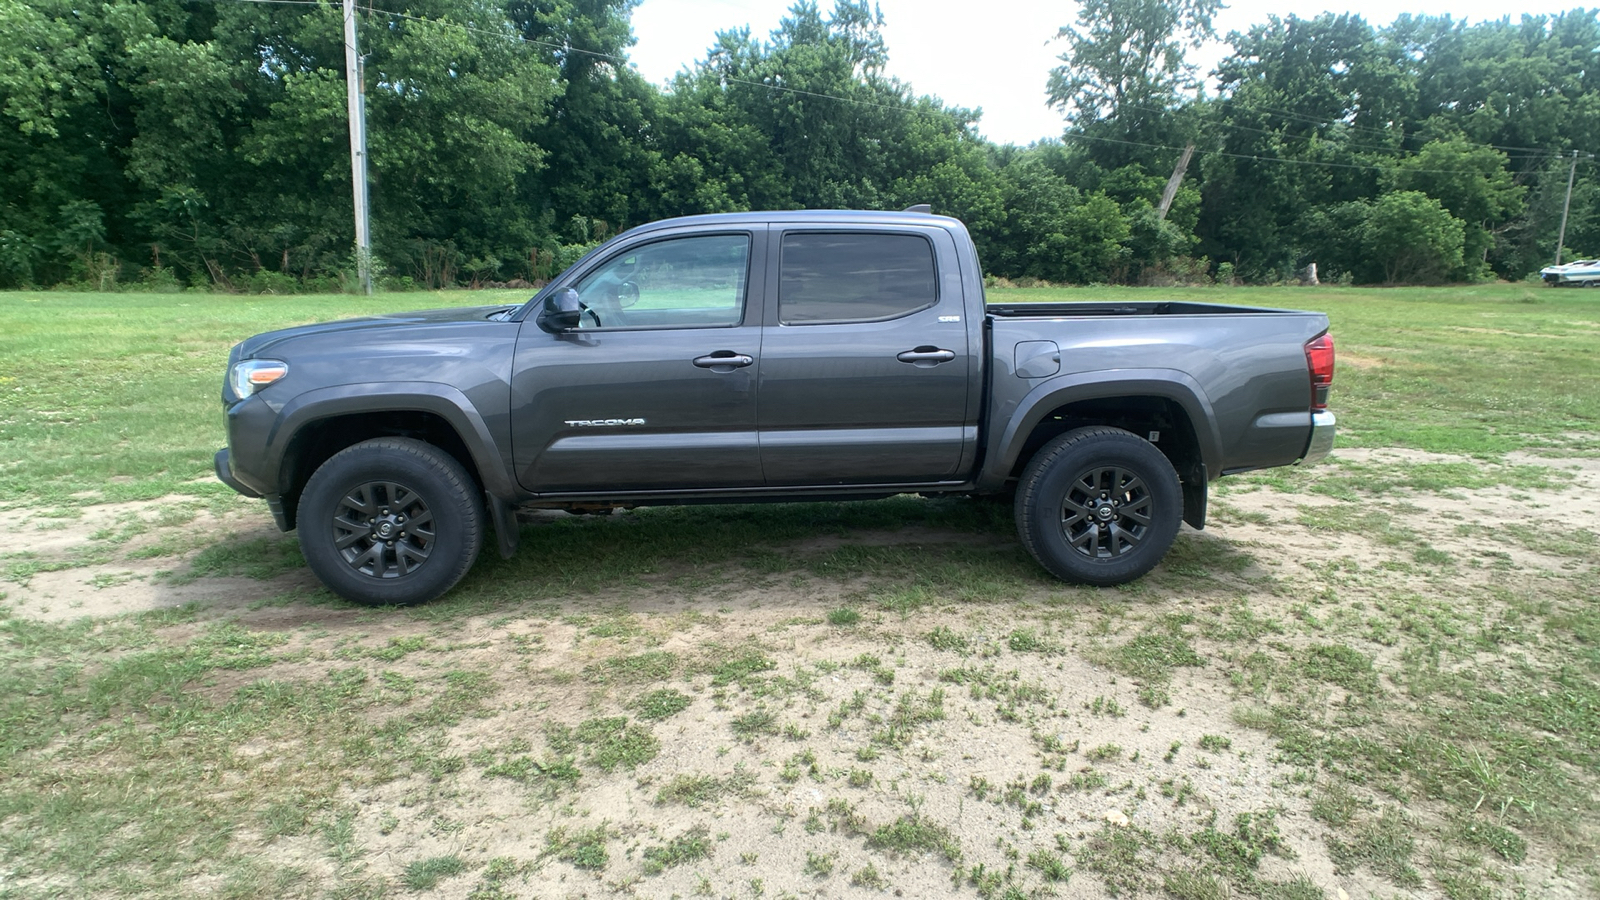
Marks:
<point>1194,496</point>
<point>505,524</point>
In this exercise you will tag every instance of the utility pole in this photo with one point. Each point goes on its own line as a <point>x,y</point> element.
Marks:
<point>356,90</point>
<point>1174,182</point>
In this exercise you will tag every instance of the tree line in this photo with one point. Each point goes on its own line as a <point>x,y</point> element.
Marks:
<point>204,142</point>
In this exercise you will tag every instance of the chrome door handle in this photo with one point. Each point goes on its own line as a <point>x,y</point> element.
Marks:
<point>724,361</point>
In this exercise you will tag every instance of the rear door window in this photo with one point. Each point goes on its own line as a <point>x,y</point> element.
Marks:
<point>829,279</point>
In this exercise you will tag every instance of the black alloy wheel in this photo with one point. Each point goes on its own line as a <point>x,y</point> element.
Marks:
<point>391,522</point>
<point>1106,512</point>
<point>1098,506</point>
<point>383,529</point>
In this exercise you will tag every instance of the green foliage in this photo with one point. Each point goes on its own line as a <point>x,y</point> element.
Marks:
<point>154,147</point>
<point>1412,238</point>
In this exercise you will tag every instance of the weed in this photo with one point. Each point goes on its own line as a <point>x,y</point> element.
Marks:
<point>868,877</point>
<point>1116,854</point>
<point>820,865</point>
<point>1028,640</point>
<point>642,668</point>
<point>942,638</point>
<point>738,666</point>
<point>607,742</point>
<point>755,723</point>
<point>909,712</point>
<point>1383,845</point>
<point>913,834</point>
<point>1087,779</point>
<point>1106,706</point>
<point>1348,668</point>
<point>1215,743</point>
<point>698,790</point>
<point>425,874</point>
<point>1254,835</point>
<point>583,849</point>
<point>844,616</point>
<point>1050,865</point>
<point>663,703</point>
<point>1191,884</point>
<point>690,846</point>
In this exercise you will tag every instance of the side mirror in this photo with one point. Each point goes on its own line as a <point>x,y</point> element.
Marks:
<point>562,311</point>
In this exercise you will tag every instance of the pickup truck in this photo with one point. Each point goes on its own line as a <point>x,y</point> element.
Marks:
<point>815,355</point>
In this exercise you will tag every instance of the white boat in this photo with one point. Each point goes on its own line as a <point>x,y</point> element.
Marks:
<point>1582,273</point>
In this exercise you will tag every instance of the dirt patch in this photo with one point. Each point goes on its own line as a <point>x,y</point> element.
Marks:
<point>1008,750</point>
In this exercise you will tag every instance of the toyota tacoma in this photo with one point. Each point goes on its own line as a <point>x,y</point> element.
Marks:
<point>816,355</point>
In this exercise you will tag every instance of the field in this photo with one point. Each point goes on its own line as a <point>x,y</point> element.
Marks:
<point>1379,677</point>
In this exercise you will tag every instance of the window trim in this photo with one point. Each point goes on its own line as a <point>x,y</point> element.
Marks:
<point>933,256</point>
<point>751,249</point>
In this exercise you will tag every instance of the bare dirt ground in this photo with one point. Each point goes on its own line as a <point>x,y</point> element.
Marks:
<point>1010,750</point>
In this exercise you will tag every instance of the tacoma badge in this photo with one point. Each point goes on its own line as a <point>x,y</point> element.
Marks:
<point>592,423</point>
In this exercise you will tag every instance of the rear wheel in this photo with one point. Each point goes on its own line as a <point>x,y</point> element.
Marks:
<point>1098,506</point>
<point>390,522</point>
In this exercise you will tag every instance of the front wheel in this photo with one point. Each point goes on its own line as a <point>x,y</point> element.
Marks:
<point>1098,506</point>
<point>390,522</point>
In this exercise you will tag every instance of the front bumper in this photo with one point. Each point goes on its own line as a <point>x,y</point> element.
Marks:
<point>1322,429</point>
<point>225,475</point>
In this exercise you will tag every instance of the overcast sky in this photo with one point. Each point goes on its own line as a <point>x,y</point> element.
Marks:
<point>995,55</point>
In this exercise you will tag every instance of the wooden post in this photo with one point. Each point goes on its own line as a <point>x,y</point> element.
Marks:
<point>1174,182</point>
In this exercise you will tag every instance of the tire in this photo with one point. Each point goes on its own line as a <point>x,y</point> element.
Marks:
<point>390,483</point>
<point>1082,529</point>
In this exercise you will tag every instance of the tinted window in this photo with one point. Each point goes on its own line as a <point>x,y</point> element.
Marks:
<point>854,277</point>
<point>680,282</point>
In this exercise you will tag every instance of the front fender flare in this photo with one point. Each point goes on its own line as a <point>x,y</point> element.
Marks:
<point>442,400</point>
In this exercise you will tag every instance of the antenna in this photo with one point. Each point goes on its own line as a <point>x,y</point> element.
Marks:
<point>924,208</point>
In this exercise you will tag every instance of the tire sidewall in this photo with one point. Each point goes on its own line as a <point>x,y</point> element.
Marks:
<point>457,531</point>
<point>1046,490</point>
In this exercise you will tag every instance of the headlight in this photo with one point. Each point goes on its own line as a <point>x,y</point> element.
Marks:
<point>254,374</point>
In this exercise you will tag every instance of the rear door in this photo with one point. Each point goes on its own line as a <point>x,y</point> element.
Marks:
<point>865,365</point>
<point>656,387</point>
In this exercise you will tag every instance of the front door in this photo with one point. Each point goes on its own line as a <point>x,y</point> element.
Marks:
<point>656,388</point>
<point>865,371</point>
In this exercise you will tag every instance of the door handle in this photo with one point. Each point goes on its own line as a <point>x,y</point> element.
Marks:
<point>926,356</point>
<point>724,361</point>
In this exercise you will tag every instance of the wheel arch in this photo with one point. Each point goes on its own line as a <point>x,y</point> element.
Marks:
<point>316,425</point>
<point>1140,401</point>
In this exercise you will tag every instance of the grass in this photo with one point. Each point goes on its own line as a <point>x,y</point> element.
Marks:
<point>425,874</point>
<point>754,687</point>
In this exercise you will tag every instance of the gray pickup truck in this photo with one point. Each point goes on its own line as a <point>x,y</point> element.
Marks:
<point>756,357</point>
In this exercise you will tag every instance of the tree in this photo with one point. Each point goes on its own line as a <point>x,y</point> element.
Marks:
<point>1413,238</point>
<point>1125,72</point>
<point>1471,182</point>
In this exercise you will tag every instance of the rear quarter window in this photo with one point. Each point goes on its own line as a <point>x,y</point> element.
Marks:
<point>836,278</point>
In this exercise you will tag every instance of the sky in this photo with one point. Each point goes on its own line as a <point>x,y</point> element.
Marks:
<point>995,55</point>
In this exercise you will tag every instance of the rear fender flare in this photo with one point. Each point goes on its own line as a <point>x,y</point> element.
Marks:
<point>1053,393</point>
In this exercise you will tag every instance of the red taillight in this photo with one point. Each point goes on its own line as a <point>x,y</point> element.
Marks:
<point>1319,359</point>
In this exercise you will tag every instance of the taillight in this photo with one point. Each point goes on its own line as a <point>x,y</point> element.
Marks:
<point>1319,359</point>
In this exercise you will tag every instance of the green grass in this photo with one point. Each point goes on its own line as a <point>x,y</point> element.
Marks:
<point>691,846</point>
<point>119,394</point>
<point>425,874</point>
<point>1427,705</point>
